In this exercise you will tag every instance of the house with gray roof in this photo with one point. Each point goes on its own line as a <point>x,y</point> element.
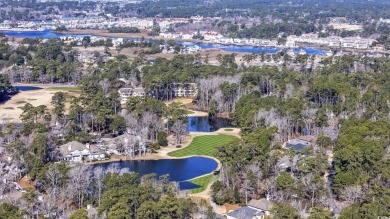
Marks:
<point>264,205</point>
<point>256,209</point>
<point>297,144</point>
<point>77,152</point>
<point>246,212</point>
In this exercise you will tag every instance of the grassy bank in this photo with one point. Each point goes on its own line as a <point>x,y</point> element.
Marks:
<point>64,88</point>
<point>189,112</point>
<point>203,182</point>
<point>203,145</point>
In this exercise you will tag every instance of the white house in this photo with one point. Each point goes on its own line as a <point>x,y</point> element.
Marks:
<point>185,90</point>
<point>125,93</point>
<point>77,152</point>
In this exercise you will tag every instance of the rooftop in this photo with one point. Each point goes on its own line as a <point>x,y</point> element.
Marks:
<point>262,204</point>
<point>296,144</point>
<point>245,213</point>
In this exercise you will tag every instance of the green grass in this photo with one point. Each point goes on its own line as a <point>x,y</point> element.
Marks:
<point>203,145</point>
<point>228,130</point>
<point>64,88</point>
<point>203,182</point>
<point>190,112</point>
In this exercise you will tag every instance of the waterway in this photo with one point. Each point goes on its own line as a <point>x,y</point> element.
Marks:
<point>26,88</point>
<point>48,34</point>
<point>206,124</point>
<point>179,170</point>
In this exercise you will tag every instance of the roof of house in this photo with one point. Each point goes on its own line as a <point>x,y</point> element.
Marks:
<point>139,90</point>
<point>125,90</point>
<point>245,213</point>
<point>73,145</point>
<point>262,204</point>
<point>219,216</point>
<point>297,144</point>
<point>284,162</point>
<point>130,90</point>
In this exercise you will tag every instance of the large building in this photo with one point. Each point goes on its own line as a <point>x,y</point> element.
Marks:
<point>185,90</point>
<point>126,93</point>
<point>177,89</point>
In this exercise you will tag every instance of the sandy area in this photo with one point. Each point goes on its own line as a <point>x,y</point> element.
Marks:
<point>10,110</point>
<point>197,113</point>
<point>25,183</point>
<point>182,101</point>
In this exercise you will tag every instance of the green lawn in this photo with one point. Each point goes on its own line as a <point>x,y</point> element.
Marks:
<point>228,130</point>
<point>64,88</point>
<point>203,182</point>
<point>190,112</point>
<point>203,145</point>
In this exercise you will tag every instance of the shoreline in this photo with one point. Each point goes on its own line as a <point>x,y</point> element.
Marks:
<point>162,154</point>
<point>106,33</point>
<point>143,158</point>
<point>18,29</point>
<point>144,34</point>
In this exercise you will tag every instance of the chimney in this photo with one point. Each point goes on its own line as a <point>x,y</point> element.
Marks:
<point>267,196</point>
<point>69,147</point>
<point>87,145</point>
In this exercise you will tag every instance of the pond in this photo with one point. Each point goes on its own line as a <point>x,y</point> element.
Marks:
<point>206,124</point>
<point>179,170</point>
<point>26,88</point>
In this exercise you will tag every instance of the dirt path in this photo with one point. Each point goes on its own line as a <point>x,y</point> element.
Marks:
<point>206,194</point>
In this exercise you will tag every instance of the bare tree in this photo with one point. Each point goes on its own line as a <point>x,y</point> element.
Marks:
<point>98,176</point>
<point>290,89</point>
<point>352,193</point>
<point>79,181</point>
<point>179,129</point>
<point>55,177</point>
<point>106,85</point>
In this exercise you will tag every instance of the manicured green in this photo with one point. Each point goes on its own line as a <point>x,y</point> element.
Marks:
<point>64,88</point>
<point>228,130</point>
<point>190,112</point>
<point>203,182</point>
<point>203,145</point>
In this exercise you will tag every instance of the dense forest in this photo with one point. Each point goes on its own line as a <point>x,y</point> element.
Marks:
<point>6,88</point>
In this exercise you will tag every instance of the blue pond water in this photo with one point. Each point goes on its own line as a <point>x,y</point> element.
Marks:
<point>27,88</point>
<point>205,124</point>
<point>47,34</point>
<point>179,170</point>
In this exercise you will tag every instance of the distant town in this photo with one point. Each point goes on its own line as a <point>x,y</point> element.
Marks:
<point>93,21</point>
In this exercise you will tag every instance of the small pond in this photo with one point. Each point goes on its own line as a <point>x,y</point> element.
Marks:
<point>179,170</point>
<point>206,124</point>
<point>27,88</point>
